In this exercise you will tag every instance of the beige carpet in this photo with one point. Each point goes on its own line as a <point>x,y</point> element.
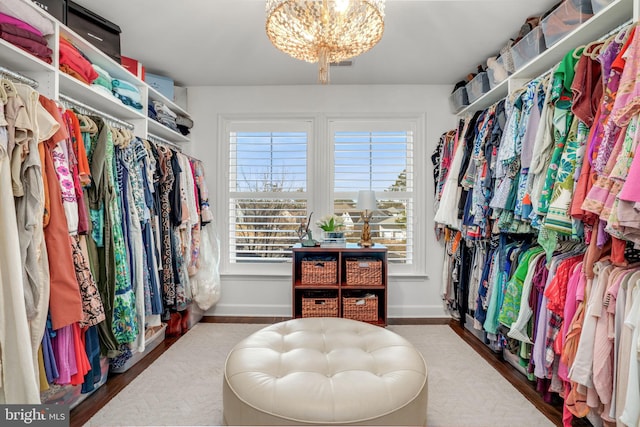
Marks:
<point>183,387</point>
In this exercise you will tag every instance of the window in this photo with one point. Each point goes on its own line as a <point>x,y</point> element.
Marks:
<point>377,156</point>
<point>267,189</point>
<point>280,171</point>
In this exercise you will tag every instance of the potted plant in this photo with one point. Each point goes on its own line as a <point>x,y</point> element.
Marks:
<point>332,227</point>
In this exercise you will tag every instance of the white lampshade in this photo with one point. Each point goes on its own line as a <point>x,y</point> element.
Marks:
<point>366,200</point>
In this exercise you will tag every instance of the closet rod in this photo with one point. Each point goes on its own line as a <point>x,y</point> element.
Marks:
<point>163,141</point>
<point>17,77</point>
<point>91,110</point>
<point>617,29</point>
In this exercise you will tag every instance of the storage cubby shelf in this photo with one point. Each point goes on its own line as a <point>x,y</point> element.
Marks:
<point>101,101</point>
<point>158,129</point>
<point>18,60</point>
<point>341,288</point>
<point>154,95</point>
<point>52,82</point>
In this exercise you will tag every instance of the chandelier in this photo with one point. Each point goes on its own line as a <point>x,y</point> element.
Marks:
<point>324,31</point>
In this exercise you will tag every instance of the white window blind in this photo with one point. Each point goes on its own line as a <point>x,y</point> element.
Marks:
<point>377,156</point>
<point>267,190</point>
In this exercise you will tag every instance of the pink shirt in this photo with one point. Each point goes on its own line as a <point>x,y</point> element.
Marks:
<point>627,102</point>
<point>577,281</point>
<point>631,188</point>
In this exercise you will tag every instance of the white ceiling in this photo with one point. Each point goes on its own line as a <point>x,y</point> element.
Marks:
<point>223,42</point>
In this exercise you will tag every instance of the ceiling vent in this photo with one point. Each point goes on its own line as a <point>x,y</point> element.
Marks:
<point>348,63</point>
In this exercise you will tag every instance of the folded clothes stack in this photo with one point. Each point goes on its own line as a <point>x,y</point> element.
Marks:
<point>104,80</point>
<point>25,36</point>
<point>152,112</point>
<point>74,63</point>
<point>165,116</point>
<point>28,15</point>
<point>127,93</point>
<point>184,125</point>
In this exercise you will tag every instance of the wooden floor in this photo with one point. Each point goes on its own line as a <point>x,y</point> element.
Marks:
<point>116,382</point>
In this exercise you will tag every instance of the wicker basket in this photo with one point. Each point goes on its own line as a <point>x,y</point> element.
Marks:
<point>319,271</point>
<point>360,308</point>
<point>319,307</point>
<point>364,271</point>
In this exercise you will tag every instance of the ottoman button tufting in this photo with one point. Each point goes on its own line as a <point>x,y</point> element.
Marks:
<point>372,376</point>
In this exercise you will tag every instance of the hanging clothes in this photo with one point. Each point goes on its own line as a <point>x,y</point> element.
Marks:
<point>19,383</point>
<point>65,302</point>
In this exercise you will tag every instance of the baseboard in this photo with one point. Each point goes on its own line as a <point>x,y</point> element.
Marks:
<point>271,319</point>
<point>243,319</point>
<point>418,320</point>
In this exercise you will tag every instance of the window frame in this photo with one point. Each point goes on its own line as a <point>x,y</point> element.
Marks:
<point>384,124</point>
<point>320,175</point>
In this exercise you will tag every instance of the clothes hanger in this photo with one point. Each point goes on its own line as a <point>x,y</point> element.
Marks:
<point>116,136</point>
<point>126,137</point>
<point>129,135</point>
<point>579,51</point>
<point>623,35</point>
<point>3,95</point>
<point>607,42</point>
<point>9,88</point>
<point>593,49</point>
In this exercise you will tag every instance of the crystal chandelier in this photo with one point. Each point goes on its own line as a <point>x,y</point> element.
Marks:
<point>324,31</point>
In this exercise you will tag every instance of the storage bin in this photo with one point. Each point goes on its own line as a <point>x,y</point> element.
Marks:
<point>133,66</point>
<point>478,87</point>
<point>598,5</point>
<point>364,271</point>
<point>72,395</point>
<point>317,306</point>
<point>103,34</point>
<point>319,271</point>
<point>162,84</point>
<point>529,47</point>
<point>364,308</point>
<point>56,8</point>
<point>458,100</point>
<point>569,15</point>
<point>497,73</point>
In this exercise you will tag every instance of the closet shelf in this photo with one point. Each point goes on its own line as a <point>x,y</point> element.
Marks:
<point>95,98</point>
<point>154,95</point>
<point>158,129</point>
<point>101,59</point>
<point>613,15</point>
<point>18,60</point>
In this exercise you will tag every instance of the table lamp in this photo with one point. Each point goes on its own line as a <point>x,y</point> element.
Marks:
<point>367,204</point>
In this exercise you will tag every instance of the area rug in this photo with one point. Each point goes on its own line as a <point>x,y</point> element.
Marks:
<point>184,385</point>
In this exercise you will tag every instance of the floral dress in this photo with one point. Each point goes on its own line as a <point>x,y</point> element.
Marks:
<point>124,322</point>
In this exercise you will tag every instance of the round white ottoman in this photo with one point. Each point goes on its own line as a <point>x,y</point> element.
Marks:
<point>325,371</point>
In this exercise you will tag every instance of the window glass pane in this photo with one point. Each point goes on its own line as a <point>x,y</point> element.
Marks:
<point>267,185</point>
<point>268,161</point>
<point>373,160</point>
<point>389,225</point>
<point>263,230</point>
<point>381,161</point>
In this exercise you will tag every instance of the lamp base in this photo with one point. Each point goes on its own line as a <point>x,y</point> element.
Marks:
<point>366,244</point>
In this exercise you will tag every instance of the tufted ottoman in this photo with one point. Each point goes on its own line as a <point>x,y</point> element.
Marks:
<point>324,371</point>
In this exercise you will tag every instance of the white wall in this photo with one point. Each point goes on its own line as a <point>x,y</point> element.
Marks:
<point>251,295</point>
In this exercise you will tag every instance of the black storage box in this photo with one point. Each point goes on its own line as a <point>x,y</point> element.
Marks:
<point>56,8</point>
<point>103,34</point>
